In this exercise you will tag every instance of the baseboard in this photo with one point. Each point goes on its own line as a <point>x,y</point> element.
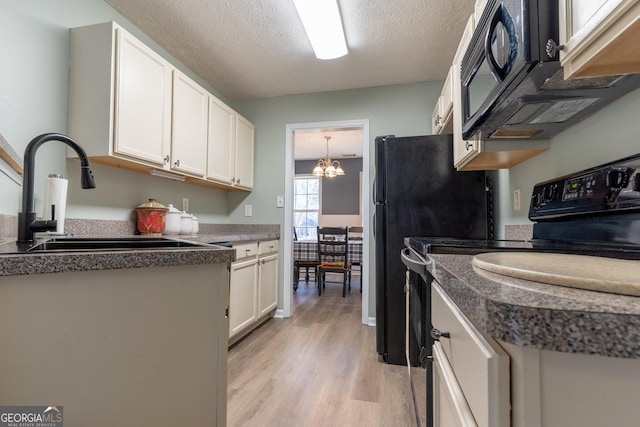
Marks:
<point>279,314</point>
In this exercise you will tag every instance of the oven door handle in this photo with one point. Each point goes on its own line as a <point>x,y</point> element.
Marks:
<point>412,264</point>
<point>500,16</point>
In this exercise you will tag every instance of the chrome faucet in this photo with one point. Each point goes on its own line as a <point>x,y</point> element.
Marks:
<point>27,223</point>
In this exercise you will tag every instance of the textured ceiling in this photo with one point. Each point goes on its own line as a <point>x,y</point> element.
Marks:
<point>344,144</point>
<point>258,48</point>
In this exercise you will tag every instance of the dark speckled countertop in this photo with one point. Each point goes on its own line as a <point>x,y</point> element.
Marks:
<point>13,263</point>
<point>539,315</point>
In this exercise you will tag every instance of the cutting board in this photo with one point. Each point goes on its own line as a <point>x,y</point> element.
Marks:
<point>577,271</point>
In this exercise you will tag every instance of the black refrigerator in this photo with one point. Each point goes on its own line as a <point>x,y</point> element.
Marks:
<point>417,192</point>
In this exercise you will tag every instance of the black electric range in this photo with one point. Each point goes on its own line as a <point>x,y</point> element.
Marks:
<point>591,212</point>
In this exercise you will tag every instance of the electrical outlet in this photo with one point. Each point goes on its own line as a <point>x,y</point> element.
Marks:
<point>248,210</point>
<point>185,204</point>
<point>280,202</point>
<point>516,199</point>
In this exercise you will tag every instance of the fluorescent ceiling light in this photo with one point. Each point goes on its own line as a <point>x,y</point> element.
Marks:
<point>321,20</point>
<point>163,174</point>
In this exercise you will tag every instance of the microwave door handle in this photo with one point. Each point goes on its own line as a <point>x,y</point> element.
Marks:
<point>500,16</point>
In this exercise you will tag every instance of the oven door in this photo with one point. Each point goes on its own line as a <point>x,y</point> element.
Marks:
<point>493,62</point>
<point>419,342</point>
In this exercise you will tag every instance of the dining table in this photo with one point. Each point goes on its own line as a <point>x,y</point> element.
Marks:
<point>307,251</point>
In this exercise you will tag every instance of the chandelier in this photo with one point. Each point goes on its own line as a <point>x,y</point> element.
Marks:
<point>327,167</point>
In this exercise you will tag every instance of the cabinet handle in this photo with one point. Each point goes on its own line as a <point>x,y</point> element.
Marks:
<point>553,48</point>
<point>438,118</point>
<point>233,180</point>
<point>436,334</point>
<point>166,159</point>
<point>238,181</point>
<point>177,163</point>
<point>467,145</point>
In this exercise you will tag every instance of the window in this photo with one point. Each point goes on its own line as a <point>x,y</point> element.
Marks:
<point>306,209</point>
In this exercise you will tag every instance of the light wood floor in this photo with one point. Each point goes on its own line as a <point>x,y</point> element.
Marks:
<point>317,368</point>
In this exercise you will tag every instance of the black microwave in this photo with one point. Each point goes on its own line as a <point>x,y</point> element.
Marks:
<point>512,82</point>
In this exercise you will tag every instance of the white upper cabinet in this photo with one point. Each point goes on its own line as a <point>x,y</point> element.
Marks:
<point>189,126</point>
<point>119,98</point>
<point>442,119</point>
<point>143,107</point>
<point>463,150</point>
<point>600,37</point>
<point>129,108</point>
<point>222,131</point>
<point>230,153</point>
<point>244,153</point>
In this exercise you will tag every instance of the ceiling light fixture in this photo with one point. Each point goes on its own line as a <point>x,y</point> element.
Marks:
<point>322,22</point>
<point>327,167</point>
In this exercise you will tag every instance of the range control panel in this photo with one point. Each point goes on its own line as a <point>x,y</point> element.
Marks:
<point>602,190</point>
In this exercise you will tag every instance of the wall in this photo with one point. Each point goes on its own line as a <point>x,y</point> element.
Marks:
<point>402,110</point>
<point>609,134</point>
<point>33,100</point>
<point>340,195</point>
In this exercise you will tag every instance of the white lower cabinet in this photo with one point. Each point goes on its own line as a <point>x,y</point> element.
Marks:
<point>471,375</point>
<point>253,296</point>
<point>267,277</point>
<point>244,282</point>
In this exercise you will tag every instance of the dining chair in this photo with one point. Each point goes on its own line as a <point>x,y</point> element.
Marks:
<point>333,256</point>
<point>298,265</point>
<point>355,233</point>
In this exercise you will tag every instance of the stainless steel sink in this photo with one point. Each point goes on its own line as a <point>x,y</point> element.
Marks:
<point>79,244</point>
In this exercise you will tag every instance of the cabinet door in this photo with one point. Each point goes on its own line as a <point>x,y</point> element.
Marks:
<point>268,284</point>
<point>600,37</point>
<point>189,130</point>
<point>449,405</point>
<point>244,153</point>
<point>463,150</point>
<point>479,364</point>
<point>143,102</point>
<point>222,130</point>
<point>436,117</point>
<point>242,295</point>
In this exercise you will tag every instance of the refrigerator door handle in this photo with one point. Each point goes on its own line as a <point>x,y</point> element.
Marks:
<point>374,226</point>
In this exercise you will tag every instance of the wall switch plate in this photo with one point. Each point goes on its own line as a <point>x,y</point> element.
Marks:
<point>280,202</point>
<point>516,199</point>
<point>248,210</point>
<point>185,204</point>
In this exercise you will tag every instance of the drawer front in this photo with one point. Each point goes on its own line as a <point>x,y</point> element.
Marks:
<point>245,250</point>
<point>267,247</point>
<point>480,365</point>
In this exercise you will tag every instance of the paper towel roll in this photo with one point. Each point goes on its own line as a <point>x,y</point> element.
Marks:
<point>56,194</point>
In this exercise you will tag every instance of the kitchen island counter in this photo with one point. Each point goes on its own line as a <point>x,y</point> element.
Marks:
<point>538,315</point>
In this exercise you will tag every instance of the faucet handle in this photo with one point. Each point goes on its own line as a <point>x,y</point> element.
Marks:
<point>44,225</point>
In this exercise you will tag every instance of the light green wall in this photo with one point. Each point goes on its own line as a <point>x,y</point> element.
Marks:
<point>33,100</point>
<point>401,110</point>
<point>610,134</point>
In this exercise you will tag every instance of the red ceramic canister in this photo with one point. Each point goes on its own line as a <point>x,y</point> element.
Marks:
<point>152,217</point>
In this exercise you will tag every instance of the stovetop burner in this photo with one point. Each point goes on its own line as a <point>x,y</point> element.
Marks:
<point>437,245</point>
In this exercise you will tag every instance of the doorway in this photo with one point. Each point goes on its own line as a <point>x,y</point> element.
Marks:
<point>322,128</point>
